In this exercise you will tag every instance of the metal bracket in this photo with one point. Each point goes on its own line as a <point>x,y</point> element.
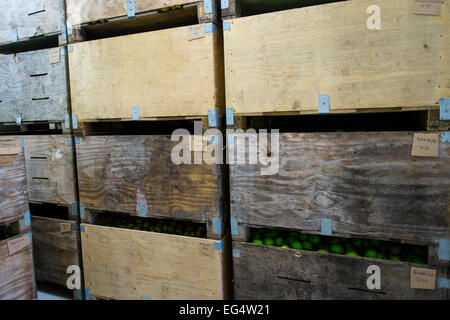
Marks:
<point>69,28</point>
<point>213,118</point>
<point>324,103</point>
<point>145,298</point>
<point>130,9</point>
<point>69,141</point>
<point>236,253</point>
<point>210,28</point>
<point>208,6</point>
<point>224,4</point>
<point>18,119</point>
<point>326,227</point>
<point>444,249</point>
<point>217,226</point>
<point>226,26</point>
<point>444,110</point>
<point>30,235</point>
<point>218,245</point>
<point>22,143</point>
<point>444,283</point>
<point>64,33</point>
<point>70,48</point>
<point>62,51</point>
<point>75,210</point>
<point>234,227</point>
<point>445,137</point>
<point>142,209</point>
<point>27,218</point>
<point>14,35</point>
<point>87,294</point>
<point>75,121</point>
<point>135,112</point>
<point>230,116</point>
<point>82,229</point>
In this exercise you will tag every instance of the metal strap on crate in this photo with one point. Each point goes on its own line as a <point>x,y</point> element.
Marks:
<point>130,9</point>
<point>326,227</point>
<point>224,4</point>
<point>324,103</point>
<point>444,110</point>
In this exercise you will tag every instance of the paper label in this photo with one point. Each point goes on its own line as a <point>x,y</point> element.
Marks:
<point>427,7</point>
<point>423,278</point>
<point>196,32</point>
<point>425,145</point>
<point>65,227</point>
<point>54,55</point>
<point>10,147</point>
<point>18,244</point>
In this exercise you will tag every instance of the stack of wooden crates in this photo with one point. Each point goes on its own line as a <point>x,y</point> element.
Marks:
<point>329,59</point>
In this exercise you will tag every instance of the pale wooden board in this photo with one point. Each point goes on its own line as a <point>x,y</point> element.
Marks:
<point>13,187</point>
<point>115,173</point>
<point>84,11</point>
<point>282,61</point>
<point>367,183</point>
<point>129,264</point>
<point>303,275</point>
<point>161,72</point>
<point>18,88</point>
<point>49,165</point>
<point>15,15</point>
<point>53,251</point>
<point>17,280</point>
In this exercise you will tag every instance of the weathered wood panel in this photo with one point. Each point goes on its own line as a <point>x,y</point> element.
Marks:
<point>32,86</point>
<point>303,275</point>
<point>329,50</point>
<point>130,264</point>
<point>118,173</point>
<point>368,184</point>
<point>16,271</point>
<point>162,72</point>
<point>54,248</point>
<point>13,184</point>
<point>30,18</point>
<point>49,165</point>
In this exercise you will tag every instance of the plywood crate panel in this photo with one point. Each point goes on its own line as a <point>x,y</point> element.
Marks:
<point>129,264</point>
<point>163,73</point>
<point>31,18</point>
<point>55,248</point>
<point>283,61</point>
<point>367,183</point>
<point>305,275</point>
<point>33,84</point>
<point>13,181</point>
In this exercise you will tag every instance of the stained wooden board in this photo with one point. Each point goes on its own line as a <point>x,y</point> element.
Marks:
<point>129,264</point>
<point>13,186</point>
<point>116,173</point>
<point>305,275</point>
<point>161,72</point>
<point>17,280</point>
<point>282,61</point>
<point>32,86</point>
<point>368,184</point>
<point>30,18</point>
<point>49,165</point>
<point>54,249</point>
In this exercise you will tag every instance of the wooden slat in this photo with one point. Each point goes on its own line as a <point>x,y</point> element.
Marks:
<point>367,183</point>
<point>28,76</point>
<point>16,272</point>
<point>282,61</point>
<point>13,186</point>
<point>116,173</point>
<point>29,18</point>
<point>53,250</point>
<point>303,275</point>
<point>129,264</point>
<point>161,72</point>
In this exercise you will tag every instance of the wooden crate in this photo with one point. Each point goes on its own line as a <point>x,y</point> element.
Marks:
<point>17,280</point>
<point>162,73</point>
<point>258,274</point>
<point>135,175</point>
<point>55,248</point>
<point>13,181</point>
<point>129,264</point>
<point>34,85</point>
<point>368,184</point>
<point>107,18</point>
<point>328,50</point>
<point>26,20</point>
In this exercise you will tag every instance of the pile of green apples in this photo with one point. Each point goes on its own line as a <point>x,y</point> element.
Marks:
<point>354,247</point>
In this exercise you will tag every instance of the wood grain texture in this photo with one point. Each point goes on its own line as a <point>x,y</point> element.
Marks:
<point>116,173</point>
<point>17,280</point>
<point>129,264</point>
<point>328,49</point>
<point>161,72</point>
<point>28,17</point>
<point>84,11</point>
<point>367,183</point>
<point>53,250</point>
<point>49,166</point>
<point>13,187</point>
<point>303,275</point>
<point>32,86</point>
